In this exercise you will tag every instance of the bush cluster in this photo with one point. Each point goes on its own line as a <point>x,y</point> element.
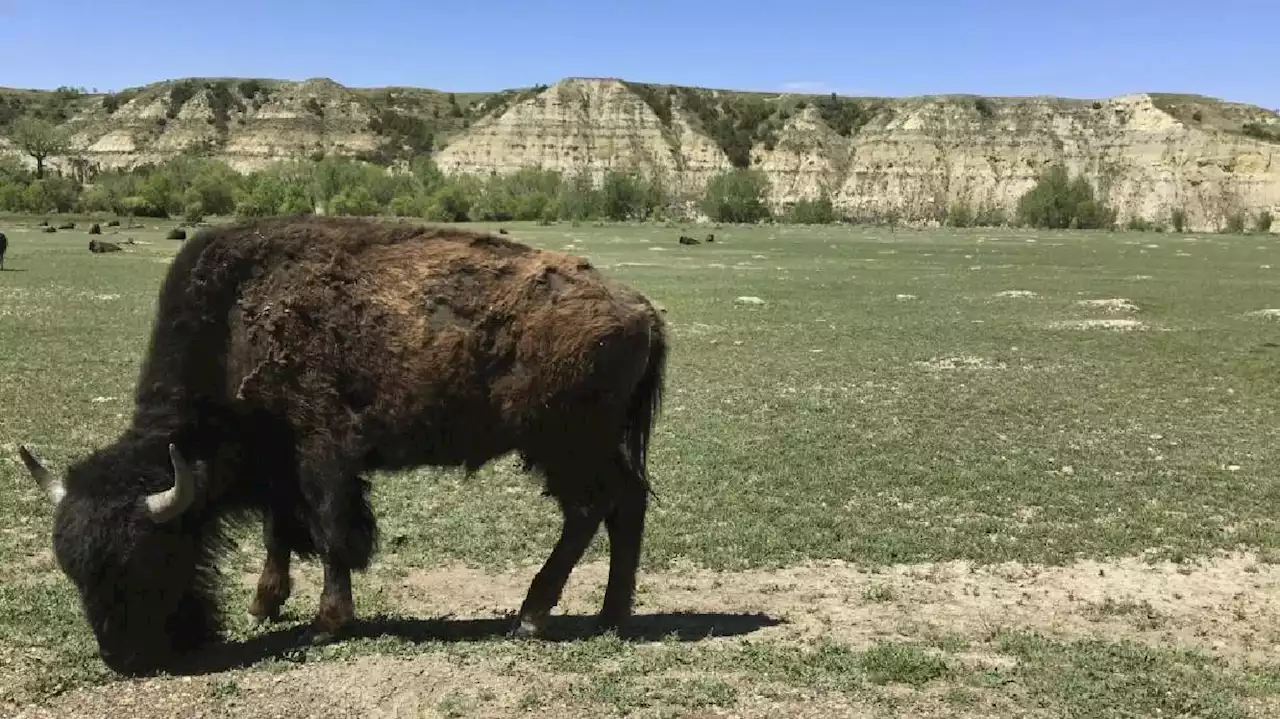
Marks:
<point>1058,201</point>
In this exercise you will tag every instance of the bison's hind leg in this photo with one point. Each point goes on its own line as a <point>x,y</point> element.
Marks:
<point>588,492</point>
<point>625,524</point>
<point>343,530</point>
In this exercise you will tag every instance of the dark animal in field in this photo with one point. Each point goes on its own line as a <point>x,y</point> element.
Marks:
<point>94,229</point>
<point>711,237</point>
<point>502,231</point>
<point>44,223</point>
<point>98,246</point>
<point>290,355</point>
<point>4,246</point>
<point>176,233</point>
<point>113,223</point>
<point>49,228</point>
<point>688,240</point>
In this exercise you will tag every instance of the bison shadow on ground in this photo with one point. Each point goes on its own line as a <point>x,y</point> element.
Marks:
<point>284,643</point>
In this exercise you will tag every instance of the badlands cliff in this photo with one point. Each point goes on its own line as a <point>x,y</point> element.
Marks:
<point>1150,154</point>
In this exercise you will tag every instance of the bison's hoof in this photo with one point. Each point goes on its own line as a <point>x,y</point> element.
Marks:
<point>612,622</point>
<point>317,637</point>
<point>258,616</point>
<point>530,625</point>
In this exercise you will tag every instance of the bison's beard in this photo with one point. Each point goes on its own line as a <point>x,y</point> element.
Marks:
<point>196,623</point>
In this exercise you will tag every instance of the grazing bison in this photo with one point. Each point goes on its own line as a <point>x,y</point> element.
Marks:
<point>99,246</point>
<point>684,240</point>
<point>95,229</point>
<point>291,355</point>
<point>711,237</point>
<point>4,246</point>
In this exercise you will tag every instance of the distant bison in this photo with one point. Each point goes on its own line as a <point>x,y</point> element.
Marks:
<point>176,233</point>
<point>113,223</point>
<point>4,246</point>
<point>502,231</point>
<point>98,246</point>
<point>49,228</point>
<point>711,237</point>
<point>95,229</point>
<point>291,355</point>
<point>688,240</point>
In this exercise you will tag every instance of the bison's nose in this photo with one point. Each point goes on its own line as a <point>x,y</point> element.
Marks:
<point>126,663</point>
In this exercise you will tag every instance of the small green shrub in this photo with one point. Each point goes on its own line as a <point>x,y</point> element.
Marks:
<point>1234,224</point>
<point>1261,131</point>
<point>1178,218</point>
<point>179,94</point>
<point>960,214</point>
<point>990,215</point>
<point>816,211</point>
<point>1263,222</point>
<point>1059,202</point>
<point>1141,224</point>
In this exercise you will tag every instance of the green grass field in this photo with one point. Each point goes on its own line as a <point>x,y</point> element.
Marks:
<point>922,474</point>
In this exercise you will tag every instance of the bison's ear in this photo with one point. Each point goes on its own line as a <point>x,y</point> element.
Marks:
<point>50,484</point>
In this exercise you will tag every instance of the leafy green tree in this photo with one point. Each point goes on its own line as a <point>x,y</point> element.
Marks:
<point>40,139</point>
<point>356,201</point>
<point>1058,202</point>
<point>737,196</point>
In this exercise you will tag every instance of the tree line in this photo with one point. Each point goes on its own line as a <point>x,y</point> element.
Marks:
<point>191,187</point>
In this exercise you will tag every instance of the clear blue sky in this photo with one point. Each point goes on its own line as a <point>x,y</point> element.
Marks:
<point>1080,48</point>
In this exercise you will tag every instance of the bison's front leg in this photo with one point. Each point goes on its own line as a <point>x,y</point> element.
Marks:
<point>274,584</point>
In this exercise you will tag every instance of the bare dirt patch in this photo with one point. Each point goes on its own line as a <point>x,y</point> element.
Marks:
<point>1016,293</point>
<point>1114,304</point>
<point>1228,606</point>
<point>1126,325</point>
<point>961,362</point>
<point>1271,313</point>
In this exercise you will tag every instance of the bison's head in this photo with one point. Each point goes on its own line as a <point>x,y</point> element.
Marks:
<point>136,570</point>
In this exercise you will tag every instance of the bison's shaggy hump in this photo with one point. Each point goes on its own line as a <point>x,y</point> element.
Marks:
<point>464,315</point>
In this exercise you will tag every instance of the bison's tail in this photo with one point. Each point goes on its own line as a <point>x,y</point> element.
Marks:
<point>646,401</point>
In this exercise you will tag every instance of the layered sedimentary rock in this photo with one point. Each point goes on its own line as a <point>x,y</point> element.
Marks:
<point>1150,155</point>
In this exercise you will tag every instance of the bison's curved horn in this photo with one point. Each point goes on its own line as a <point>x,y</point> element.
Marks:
<point>49,483</point>
<point>167,505</point>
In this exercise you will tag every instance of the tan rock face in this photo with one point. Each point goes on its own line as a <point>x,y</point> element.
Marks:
<point>591,126</point>
<point>914,157</point>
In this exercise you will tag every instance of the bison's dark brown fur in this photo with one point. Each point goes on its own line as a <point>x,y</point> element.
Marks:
<point>291,355</point>
<point>100,246</point>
